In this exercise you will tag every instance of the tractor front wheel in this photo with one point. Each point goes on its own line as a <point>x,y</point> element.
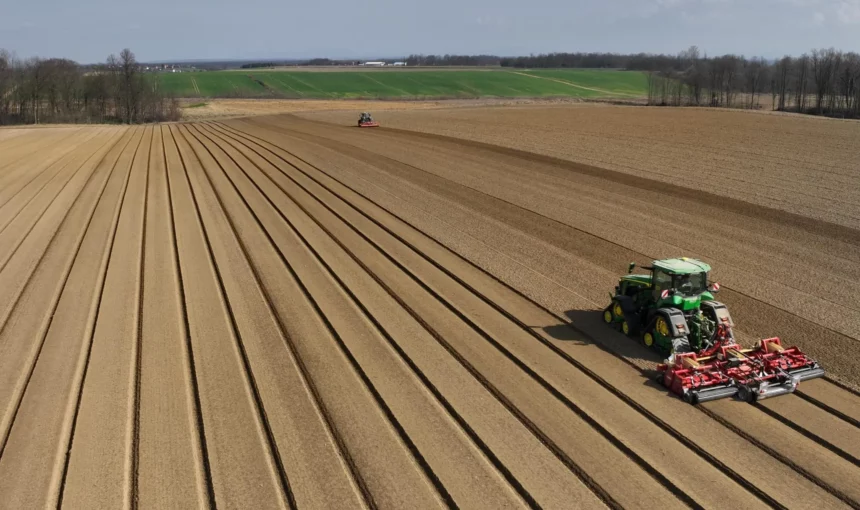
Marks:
<point>607,316</point>
<point>648,340</point>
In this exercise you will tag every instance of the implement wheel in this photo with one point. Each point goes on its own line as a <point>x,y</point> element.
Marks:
<point>745,394</point>
<point>625,328</point>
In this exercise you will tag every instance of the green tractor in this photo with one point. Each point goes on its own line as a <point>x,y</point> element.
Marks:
<point>671,309</point>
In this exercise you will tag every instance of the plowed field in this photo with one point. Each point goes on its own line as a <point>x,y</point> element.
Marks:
<point>279,312</point>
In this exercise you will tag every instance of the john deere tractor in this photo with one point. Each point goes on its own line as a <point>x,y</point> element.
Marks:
<point>672,308</point>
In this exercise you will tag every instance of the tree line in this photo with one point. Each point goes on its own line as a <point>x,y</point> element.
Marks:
<point>821,82</point>
<point>258,65</point>
<point>453,60</point>
<point>56,90</point>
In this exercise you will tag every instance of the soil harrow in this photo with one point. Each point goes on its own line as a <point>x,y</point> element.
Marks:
<point>766,371</point>
<point>674,312</point>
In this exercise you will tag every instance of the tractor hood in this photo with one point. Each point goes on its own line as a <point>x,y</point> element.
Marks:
<point>685,303</point>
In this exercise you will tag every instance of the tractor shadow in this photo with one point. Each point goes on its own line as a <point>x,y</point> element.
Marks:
<point>587,328</point>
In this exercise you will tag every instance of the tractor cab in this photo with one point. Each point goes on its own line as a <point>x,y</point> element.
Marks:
<point>680,283</point>
<point>677,283</point>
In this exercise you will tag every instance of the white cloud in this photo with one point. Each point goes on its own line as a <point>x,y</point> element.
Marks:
<point>848,12</point>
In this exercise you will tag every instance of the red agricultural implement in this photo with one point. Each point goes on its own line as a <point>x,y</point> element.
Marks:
<point>768,370</point>
<point>366,120</point>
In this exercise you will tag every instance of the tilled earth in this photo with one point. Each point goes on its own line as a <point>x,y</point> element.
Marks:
<point>278,312</point>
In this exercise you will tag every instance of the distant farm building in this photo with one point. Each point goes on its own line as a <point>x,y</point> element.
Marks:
<point>399,64</point>
<point>375,64</point>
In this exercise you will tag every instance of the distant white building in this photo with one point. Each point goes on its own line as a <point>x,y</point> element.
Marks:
<point>377,64</point>
<point>399,64</point>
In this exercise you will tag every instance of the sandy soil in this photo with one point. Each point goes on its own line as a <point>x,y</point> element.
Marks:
<point>226,108</point>
<point>802,165</point>
<point>275,312</point>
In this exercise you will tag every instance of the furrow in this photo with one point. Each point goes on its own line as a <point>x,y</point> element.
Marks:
<point>201,453</point>
<point>50,335</point>
<point>626,346</point>
<point>681,418</point>
<point>835,480</point>
<point>318,474</point>
<point>16,180</point>
<point>234,282</point>
<point>448,326</point>
<point>103,452</point>
<point>826,429</point>
<point>470,479</point>
<point>307,447</point>
<point>837,400</point>
<point>238,456</point>
<point>33,207</point>
<point>392,477</point>
<point>599,228</point>
<point>170,470</point>
<point>598,404</point>
<point>26,149</point>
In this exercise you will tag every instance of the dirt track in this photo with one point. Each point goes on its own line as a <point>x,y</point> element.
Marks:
<point>282,313</point>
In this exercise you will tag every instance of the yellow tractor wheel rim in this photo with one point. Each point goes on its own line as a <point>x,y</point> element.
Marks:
<point>625,328</point>
<point>662,327</point>
<point>607,316</point>
<point>648,339</point>
<point>617,310</point>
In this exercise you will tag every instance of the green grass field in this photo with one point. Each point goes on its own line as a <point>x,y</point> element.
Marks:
<point>405,84</point>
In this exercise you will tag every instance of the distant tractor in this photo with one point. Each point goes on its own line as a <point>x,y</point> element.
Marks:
<point>673,311</point>
<point>366,120</point>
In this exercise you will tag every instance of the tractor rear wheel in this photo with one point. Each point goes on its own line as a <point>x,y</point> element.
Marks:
<point>661,326</point>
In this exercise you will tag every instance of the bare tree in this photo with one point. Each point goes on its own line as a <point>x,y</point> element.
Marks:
<point>801,81</point>
<point>6,85</point>
<point>783,70</point>
<point>823,66</point>
<point>129,86</point>
<point>754,78</point>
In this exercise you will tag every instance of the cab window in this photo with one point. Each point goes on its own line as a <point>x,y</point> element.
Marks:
<point>691,284</point>
<point>662,281</point>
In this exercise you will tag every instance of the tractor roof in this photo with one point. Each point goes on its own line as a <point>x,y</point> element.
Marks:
<point>637,278</point>
<point>682,265</point>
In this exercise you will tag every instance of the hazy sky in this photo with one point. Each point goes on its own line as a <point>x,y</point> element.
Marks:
<point>89,30</point>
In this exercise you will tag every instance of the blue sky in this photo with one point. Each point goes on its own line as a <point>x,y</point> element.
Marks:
<point>89,30</point>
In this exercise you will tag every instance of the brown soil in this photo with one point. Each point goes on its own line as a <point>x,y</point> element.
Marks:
<point>275,312</point>
<point>227,108</point>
